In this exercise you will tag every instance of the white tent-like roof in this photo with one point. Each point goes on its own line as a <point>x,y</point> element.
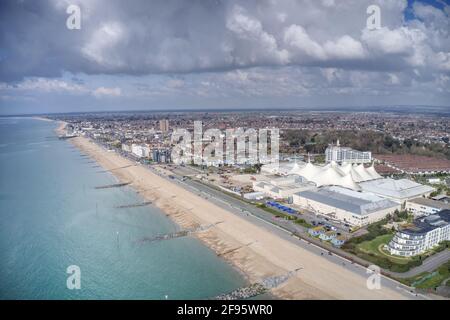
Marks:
<point>346,168</point>
<point>329,176</point>
<point>373,173</point>
<point>348,182</point>
<point>295,168</point>
<point>346,175</point>
<point>361,170</point>
<point>309,171</point>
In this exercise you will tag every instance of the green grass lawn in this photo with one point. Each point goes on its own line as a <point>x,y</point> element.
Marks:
<point>375,246</point>
<point>430,280</point>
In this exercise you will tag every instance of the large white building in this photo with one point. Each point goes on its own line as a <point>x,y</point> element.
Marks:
<point>349,206</point>
<point>397,190</point>
<point>427,233</point>
<point>282,187</point>
<point>343,154</point>
<point>140,151</point>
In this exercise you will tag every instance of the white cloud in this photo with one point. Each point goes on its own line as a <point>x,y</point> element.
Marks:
<point>107,92</point>
<point>260,43</point>
<point>44,85</point>
<point>344,48</point>
<point>101,45</point>
<point>298,39</point>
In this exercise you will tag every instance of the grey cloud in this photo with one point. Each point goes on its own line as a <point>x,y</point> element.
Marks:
<point>178,36</point>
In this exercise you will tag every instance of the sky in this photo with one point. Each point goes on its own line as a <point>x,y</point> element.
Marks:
<point>206,54</point>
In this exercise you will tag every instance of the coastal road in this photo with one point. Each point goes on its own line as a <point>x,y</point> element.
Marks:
<point>428,265</point>
<point>264,219</point>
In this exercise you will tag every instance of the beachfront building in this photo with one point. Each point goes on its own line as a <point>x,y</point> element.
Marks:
<point>346,205</point>
<point>140,150</point>
<point>282,187</point>
<point>126,147</point>
<point>340,154</point>
<point>161,155</point>
<point>316,231</point>
<point>426,233</point>
<point>397,190</point>
<point>327,236</point>
<point>424,206</point>
<point>338,241</point>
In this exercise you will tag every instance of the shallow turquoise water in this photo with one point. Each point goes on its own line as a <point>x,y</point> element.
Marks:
<point>52,217</point>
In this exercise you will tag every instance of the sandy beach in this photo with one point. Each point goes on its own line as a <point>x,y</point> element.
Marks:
<point>268,254</point>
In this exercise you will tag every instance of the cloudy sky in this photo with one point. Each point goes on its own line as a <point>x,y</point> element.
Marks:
<point>175,54</point>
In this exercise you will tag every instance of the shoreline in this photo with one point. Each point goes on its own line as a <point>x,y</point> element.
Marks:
<point>268,255</point>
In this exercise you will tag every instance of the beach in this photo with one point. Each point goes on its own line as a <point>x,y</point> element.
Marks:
<point>267,255</point>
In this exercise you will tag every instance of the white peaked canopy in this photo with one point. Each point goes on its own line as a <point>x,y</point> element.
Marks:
<point>356,176</point>
<point>363,172</point>
<point>329,176</point>
<point>345,175</point>
<point>373,173</point>
<point>348,182</point>
<point>295,168</point>
<point>346,168</point>
<point>309,171</point>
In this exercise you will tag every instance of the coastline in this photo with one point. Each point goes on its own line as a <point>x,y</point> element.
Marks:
<point>60,130</point>
<point>267,256</point>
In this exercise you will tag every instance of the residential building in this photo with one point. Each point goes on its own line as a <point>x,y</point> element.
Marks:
<point>343,154</point>
<point>316,231</point>
<point>140,151</point>
<point>126,147</point>
<point>338,241</point>
<point>427,233</point>
<point>164,125</point>
<point>424,207</point>
<point>327,236</point>
<point>161,155</point>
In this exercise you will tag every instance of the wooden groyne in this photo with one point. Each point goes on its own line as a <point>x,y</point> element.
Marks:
<point>178,234</point>
<point>116,185</point>
<point>143,204</point>
<point>66,137</point>
<point>118,168</point>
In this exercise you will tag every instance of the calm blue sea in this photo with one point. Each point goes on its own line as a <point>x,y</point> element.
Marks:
<point>51,217</point>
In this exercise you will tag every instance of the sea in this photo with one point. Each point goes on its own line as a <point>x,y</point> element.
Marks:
<point>60,238</point>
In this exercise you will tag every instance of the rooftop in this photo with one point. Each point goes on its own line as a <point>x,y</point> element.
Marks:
<point>431,222</point>
<point>402,188</point>
<point>360,203</point>
<point>431,203</point>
